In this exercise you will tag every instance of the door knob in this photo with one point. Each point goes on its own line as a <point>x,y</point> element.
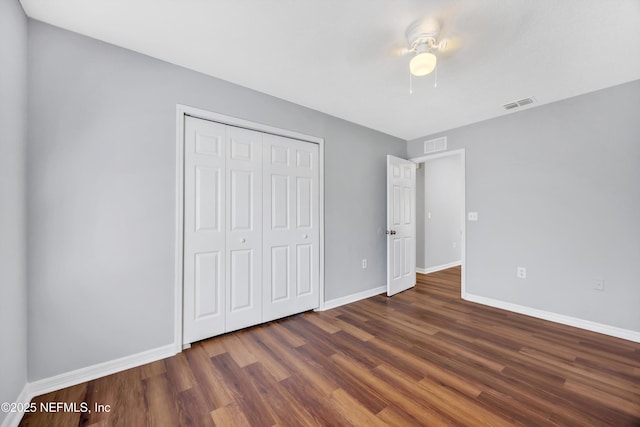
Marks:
<point>243,240</point>
<point>306,236</point>
<point>391,231</point>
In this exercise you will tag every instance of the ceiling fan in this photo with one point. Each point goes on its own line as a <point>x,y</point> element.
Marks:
<point>424,41</point>
<point>418,50</point>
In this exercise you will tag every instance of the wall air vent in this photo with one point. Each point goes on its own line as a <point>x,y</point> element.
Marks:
<point>435,145</point>
<point>519,103</point>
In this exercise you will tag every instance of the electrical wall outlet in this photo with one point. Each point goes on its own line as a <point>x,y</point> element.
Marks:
<point>472,216</point>
<point>364,263</point>
<point>521,273</point>
<point>598,284</point>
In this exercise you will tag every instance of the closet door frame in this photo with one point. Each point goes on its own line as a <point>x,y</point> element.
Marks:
<point>181,112</point>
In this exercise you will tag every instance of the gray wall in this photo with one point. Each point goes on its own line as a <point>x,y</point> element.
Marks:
<point>557,189</point>
<point>13,136</point>
<point>101,197</point>
<point>355,206</point>
<point>443,198</point>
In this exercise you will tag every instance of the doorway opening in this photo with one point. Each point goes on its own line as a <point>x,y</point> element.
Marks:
<point>440,213</point>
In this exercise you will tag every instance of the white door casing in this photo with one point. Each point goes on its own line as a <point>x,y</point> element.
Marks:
<point>204,229</point>
<point>243,228</point>
<point>401,224</point>
<point>290,226</point>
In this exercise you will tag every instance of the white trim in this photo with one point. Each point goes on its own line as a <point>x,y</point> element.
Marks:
<point>438,267</point>
<point>181,111</point>
<point>613,331</point>
<point>321,303</point>
<point>353,298</point>
<point>421,159</point>
<point>92,372</point>
<point>13,418</point>
<point>463,240</point>
<point>178,251</point>
<point>246,124</point>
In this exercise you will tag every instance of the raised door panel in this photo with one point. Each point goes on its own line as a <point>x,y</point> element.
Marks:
<point>305,270</point>
<point>290,227</point>
<point>304,202</point>
<point>397,204</point>
<point>280,201</point>
<point>204,235</point>
<point>208,285</point>
<point>242,209</point>
<point>240,280</point>
<point>243,228</point>
<point>397,258</point>
<point>208,201</point>
<point>280,270</point>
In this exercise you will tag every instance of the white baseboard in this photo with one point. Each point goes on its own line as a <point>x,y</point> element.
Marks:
<point>353,298</point>
<point>13,418</point>
<point>82,375</point>
<point>89,373</point>
<point>613,331</point>
<point>438,267</point>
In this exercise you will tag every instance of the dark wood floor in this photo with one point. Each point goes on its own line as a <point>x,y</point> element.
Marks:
<point>423,357</point>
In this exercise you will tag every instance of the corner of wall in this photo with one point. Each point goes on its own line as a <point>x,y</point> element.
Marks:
<point>13,136</point>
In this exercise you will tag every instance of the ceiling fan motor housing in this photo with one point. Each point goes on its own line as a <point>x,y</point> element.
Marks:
<point>422,35</point>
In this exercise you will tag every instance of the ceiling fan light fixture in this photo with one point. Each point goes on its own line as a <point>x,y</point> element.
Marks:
<point>422,64</point>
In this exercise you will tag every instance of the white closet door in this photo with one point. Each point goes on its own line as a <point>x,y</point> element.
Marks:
<point>204,229</point>
<point>244,228</point>
<point>290,227</point>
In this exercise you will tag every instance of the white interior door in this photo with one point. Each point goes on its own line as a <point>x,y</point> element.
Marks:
<point>204,230</point>
<point>401,224</point>
<point>244,228</point>
<point>290,227</point>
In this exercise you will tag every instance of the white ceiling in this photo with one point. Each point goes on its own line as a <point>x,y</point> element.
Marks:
<point>340,56</point>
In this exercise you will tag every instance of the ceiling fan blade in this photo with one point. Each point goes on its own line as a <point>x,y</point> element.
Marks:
<point>368,50</point>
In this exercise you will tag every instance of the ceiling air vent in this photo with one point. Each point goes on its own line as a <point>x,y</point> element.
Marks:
<point>525,101</point>
<point>435,145</point>
<point>519,103</point>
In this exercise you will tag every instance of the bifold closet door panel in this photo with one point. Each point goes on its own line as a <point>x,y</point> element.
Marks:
<point>290,227</point>
<point>244,228</point>
<point>204,230</point>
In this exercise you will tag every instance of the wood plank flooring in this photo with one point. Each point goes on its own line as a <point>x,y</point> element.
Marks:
<point>422,357</point>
